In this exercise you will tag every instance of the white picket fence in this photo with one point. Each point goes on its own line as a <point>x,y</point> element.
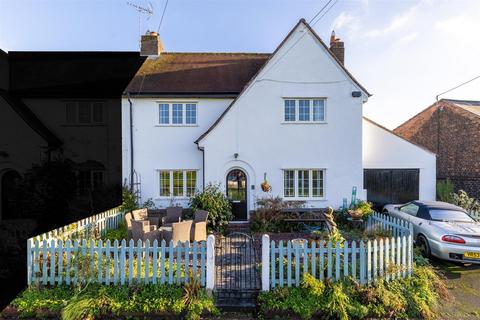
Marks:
<point>100,223</point>
<point>55,262</point>
<point>284,263</point>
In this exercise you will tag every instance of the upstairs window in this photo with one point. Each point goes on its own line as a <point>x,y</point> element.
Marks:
<point>84,112</point>
<point>304,110</point>
<point>177,114</point>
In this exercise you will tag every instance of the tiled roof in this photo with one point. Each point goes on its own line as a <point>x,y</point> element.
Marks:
<point>196,73</point>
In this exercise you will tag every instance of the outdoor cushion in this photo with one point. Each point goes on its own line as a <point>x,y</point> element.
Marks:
<point>200,215</point>
<point>199,231</point>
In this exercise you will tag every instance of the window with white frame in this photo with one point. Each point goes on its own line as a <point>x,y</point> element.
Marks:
<point>304,110</point>
<point>303,183</point>
<point>177,183</point>
<point>177,114</point>
<point>84,112</point>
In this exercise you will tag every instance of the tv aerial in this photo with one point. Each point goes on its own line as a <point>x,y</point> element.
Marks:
<point>142,11</point>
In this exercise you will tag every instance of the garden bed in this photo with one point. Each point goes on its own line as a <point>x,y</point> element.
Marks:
<point>111,302</point>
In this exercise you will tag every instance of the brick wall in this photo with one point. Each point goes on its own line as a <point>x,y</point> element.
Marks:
<point>454,135</point>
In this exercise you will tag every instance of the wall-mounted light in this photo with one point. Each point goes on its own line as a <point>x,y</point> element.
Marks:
<point>235,155</point>
<point>356,94</point>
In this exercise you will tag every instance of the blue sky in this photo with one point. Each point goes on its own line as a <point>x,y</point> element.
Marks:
<point>403,51</point>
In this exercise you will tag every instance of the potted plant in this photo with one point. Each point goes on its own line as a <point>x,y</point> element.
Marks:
<point>359,210</point>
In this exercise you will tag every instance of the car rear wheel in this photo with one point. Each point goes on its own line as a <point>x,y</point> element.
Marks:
<point>422,243</point>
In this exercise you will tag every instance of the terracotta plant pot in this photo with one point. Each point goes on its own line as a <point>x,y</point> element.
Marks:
<point>355,214</point>
<point>266,187</point>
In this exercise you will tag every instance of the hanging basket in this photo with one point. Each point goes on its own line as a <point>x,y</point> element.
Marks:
<point>266,187</point>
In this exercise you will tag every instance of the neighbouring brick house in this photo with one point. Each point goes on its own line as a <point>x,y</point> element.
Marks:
<point>451,129</point>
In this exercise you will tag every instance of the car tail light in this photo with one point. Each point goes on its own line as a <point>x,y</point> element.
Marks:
<point>454,239</point>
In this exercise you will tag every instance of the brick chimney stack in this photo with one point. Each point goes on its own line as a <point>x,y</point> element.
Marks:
<point>151,45</point>
<point>337,47</point>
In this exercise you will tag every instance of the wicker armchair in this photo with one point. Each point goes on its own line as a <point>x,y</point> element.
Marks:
<point>199,229</point>
<point>142,214</point>
<point>143,230</point>
<point>174,214</point>
<point>180,232</point>
<point>199,232</point>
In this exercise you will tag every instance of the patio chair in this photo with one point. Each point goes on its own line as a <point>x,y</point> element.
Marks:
<point>174,214</point>
<point>128,221</point>
<point>199,232</point>
<point>200,223</point>
<point>143,230</point>
<point>180,232</point>
<point>200,215</point>
<point>142,214</point>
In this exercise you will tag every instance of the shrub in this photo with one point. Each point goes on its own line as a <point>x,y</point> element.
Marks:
<point>213,200</point>
<point>269,217</point>
<point>117,234</point>
<point>445,190</point>
<point>129,200</point>
<point>101,301</point>
<point>462,199</point>
<point>413,297</point>
<point>363,206</point>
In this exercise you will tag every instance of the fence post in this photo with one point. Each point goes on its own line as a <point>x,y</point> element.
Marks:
<point>29,262</point>
<point>210,281</point>
<point>265,262</point>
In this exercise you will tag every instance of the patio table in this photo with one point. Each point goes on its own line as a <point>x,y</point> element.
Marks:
<point>306,217</point>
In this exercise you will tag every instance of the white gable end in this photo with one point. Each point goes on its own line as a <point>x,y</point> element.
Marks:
<point>254,137</point>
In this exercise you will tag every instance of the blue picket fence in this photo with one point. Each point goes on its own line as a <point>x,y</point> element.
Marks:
<point>389,257</point>
<point>54,262</point>
<point>97,224</point>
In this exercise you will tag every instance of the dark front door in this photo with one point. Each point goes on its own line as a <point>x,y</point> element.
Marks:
<point>386,186</point>
<point>237,194</point>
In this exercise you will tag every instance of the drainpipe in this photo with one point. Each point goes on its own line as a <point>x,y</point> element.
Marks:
<point>203,166</point>
<point>131,141</point>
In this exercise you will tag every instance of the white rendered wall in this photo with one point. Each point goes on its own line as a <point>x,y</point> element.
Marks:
<point>384,150</point>
<point>164,147</point>
<point>254,126</point>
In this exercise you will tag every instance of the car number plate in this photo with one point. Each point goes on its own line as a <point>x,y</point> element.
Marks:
<point>472,255</point>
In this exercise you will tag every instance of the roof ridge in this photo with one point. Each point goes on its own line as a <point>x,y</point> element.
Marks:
<point>460,100</point>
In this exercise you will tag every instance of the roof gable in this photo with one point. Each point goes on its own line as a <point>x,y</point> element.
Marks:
<point>337,63</point>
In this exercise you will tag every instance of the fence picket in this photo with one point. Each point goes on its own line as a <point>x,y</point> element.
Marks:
<point>194,259</point>
<point>131,257</point>
<point>280,263</point>
<point>345,259</point>
<point>52,262</point>
<point>354,259</point>
<point>75,250</point>
<point>387,259</point>
<point>409,252</point>
<point>369,261</point>
<point>170,262</point>
<point>329,259</point>
<point>122,261</point>
<point>107,262</point>
<point>398,257</point>
<point>313,258</point>
<point>322,259</point>
<point>162,262</point>
<point>178,261</point>
<point>68,246</point>
<point>139,260</point>
<point>392,251</point>
<point>362,262</point>
<point>154,261</point>
<point>146,254</point>
<point>337,260</point>
<point>272,264</point>
<point>380,267</point>
<point>203,271</point>
<point>186,264</point>
<point>60,261</point>
<point>289,263</point>
<point>297,263</point>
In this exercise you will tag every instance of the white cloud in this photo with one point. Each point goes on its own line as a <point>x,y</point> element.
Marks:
<point>343,20</point>
<point>397,23</point>
<point>406,39</point>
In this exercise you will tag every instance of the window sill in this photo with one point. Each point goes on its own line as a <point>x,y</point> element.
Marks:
<point>172,198</point>
<point>176,125</point>
<point>303,122</point>
<point>304,199</point>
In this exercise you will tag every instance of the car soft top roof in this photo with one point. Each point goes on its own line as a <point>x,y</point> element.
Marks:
<point>437,205</point>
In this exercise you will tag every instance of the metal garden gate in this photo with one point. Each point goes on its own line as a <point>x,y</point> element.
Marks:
<point>237,281</point>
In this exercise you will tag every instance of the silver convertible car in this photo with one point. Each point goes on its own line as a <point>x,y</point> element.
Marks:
<point>441,229</point>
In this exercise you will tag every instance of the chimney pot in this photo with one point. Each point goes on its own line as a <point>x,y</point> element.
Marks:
<point>337,47</point>
<point>151,45</point>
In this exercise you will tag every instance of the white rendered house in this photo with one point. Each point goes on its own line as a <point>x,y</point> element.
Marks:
<point>294,116</point>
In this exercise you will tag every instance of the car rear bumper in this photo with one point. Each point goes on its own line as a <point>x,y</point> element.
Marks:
<point>452,252</point>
